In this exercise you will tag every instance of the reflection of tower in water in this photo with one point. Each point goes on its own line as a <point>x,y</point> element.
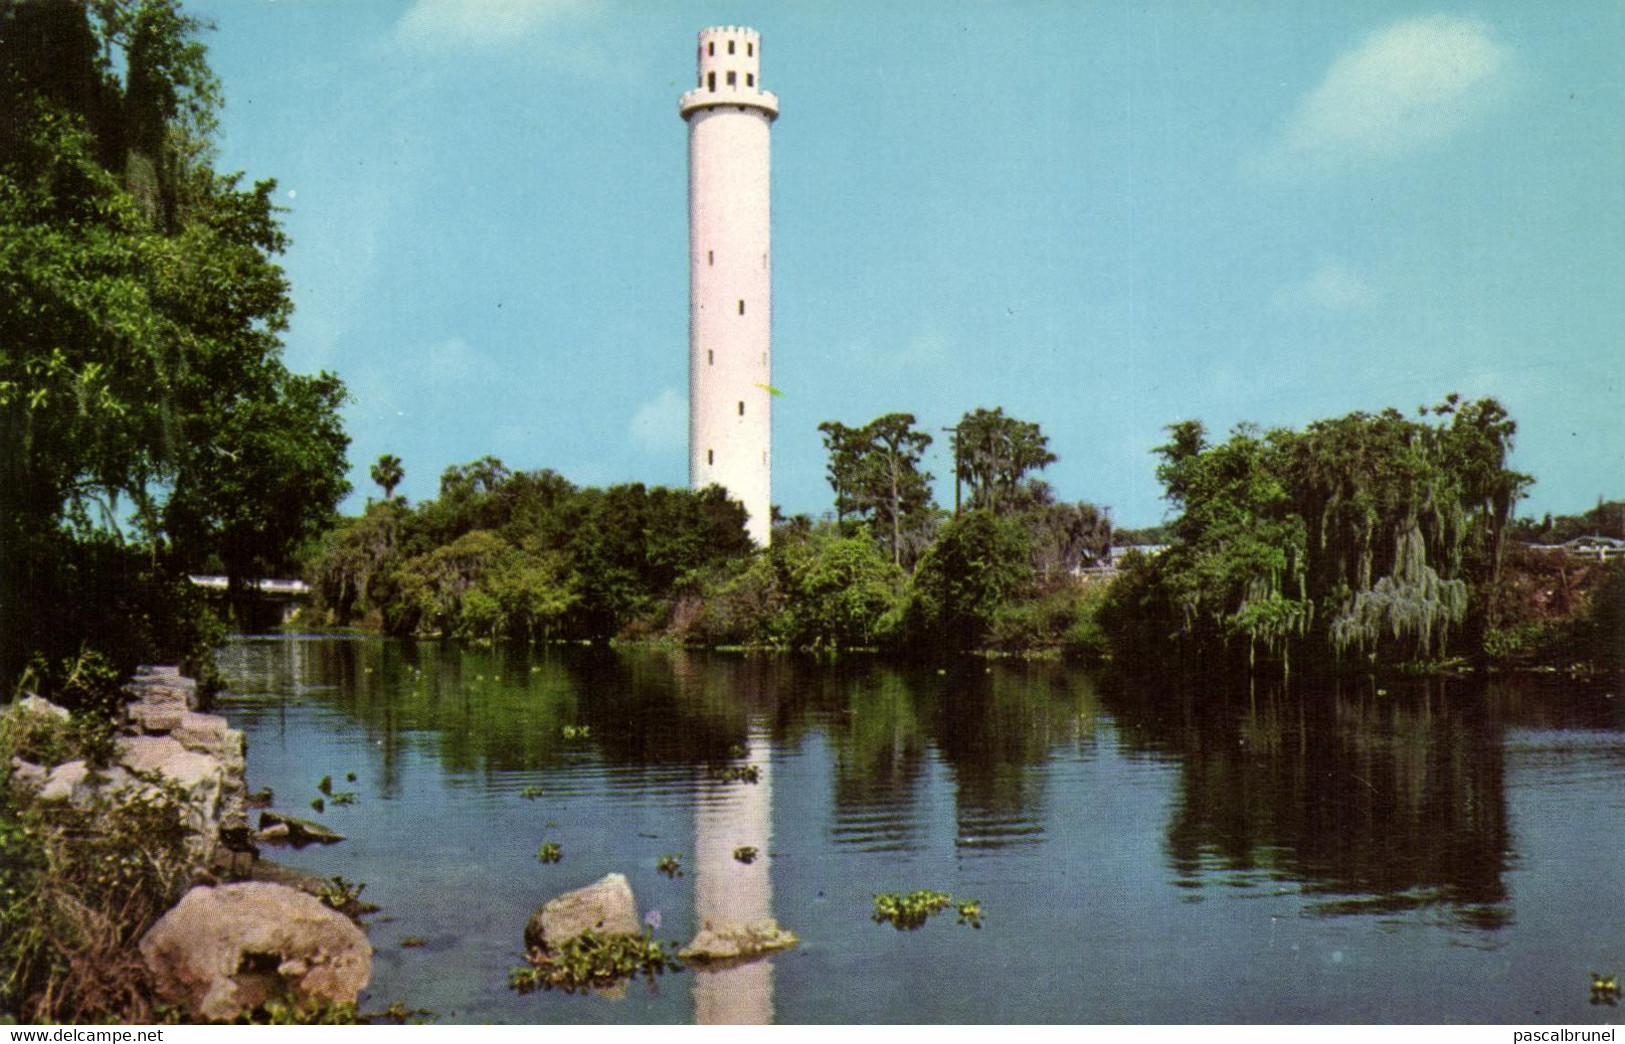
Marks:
<point>730,895</point>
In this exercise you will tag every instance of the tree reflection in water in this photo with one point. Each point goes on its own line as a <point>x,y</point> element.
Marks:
<point>1379,800</point>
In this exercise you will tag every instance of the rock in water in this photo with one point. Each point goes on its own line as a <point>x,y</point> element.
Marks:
<point>737,942</point>
<point>225,950</point>
<point>298,832</point>
<point>605,906</point>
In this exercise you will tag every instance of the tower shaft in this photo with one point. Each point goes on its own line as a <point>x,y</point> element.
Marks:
<point>730,274</point>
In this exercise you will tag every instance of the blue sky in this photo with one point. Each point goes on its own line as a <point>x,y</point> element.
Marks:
<point>1104,217</point>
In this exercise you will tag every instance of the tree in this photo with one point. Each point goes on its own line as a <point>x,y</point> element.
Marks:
<point>1366,535</point>
<point>995,452</point>
<point>1064,536</point>
<point>140,312</point>
<point>387,472</point>
<point>875,472</point>
<point>978,565</point>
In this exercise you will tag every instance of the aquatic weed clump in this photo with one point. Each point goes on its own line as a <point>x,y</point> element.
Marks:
<point>595,961</point>
<point>911,911</point>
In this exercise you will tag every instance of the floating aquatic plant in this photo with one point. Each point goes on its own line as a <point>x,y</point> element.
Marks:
<point>577,731</point>
<point>531,793</point>
<point>343,797</point>
<point>670,865</point>
<point>911,911</point>
<point>412,941</point>
<point>908,912</point>
<point>319,805</point>
<point>345,896</point>
<point>550,852</point>
<point>594,961</point>
<point>736,774</point>
<point>745,854</point>
<point>326,785</point>
<point>1604,989</point>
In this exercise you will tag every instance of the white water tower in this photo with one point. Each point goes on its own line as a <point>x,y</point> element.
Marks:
<point>730,305</point>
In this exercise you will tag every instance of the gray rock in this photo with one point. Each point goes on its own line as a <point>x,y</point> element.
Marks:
<point>27,775</point>
<point>201,778</point>
<point>225,950</point>
<point>737,942</point>
<point>36,705</point>
<point>156,719</point>
<point>209,734</point>
<point>605,906</point>
<point>300,832</point>
<point>63,781</point>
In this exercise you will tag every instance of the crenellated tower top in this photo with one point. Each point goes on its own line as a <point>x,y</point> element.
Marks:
<point>730,73</point>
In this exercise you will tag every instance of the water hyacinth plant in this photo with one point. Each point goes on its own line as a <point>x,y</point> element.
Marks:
<point>736,774</point>
<point>746,854</point>
<point>911,911</point>
<point>671,865</point>
<point>594,961</point>
<point>550,852</point>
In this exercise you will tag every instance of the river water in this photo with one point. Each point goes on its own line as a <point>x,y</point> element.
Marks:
<point>1436,851</point>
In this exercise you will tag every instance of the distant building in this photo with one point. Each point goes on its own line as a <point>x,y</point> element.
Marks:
<point>730,304</point>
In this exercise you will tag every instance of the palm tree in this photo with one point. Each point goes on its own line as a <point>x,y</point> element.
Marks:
<point>388,473</point>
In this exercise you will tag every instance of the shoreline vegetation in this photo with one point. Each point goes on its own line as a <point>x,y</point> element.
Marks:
<point>1369,543</point>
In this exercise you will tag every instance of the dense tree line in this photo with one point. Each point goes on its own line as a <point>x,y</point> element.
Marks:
<point>503,555</point>
<point>1372,538</point>
<point>147,423</point>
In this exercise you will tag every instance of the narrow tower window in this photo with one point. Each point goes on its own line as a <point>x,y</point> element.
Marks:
<point>741,306</point>
<point>730,47</point>
<point>732,82</point>
<point>710,81</point>
<point>750,50</point>
<point>710,257</point>
<point>710,456</point>
<point>710,357</point>
<point>750,79</point>
<point>741,407</point>
<point>711,49</point>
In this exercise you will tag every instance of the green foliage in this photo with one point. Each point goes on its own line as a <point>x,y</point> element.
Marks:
<point>550,852</point>
<point>911,911</point>
<point>594,961</point>
<point>876,475</point>
<point>388,473</point>
<point>1362,536</point>
<point>840,592</point>
<point>978,566</point>
<point>736,774</point>
<point>344,895</point>
<point>141,383</point>
<point>78,889</point>
<point>994,453</point>
<point>1604,989</point>
<point>1607,519</point>
<point>671,865</point>
<point>746,854</point>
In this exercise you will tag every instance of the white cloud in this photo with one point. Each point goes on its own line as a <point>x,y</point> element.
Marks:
<point>1402,88</point>
<point>439,25</point>
<point>1333,287</point>
<point>661,424</point>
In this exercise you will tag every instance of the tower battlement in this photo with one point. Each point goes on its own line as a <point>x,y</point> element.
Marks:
<point>729,72</point>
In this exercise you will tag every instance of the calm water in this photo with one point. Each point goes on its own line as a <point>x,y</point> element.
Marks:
<point>1437,853</point>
